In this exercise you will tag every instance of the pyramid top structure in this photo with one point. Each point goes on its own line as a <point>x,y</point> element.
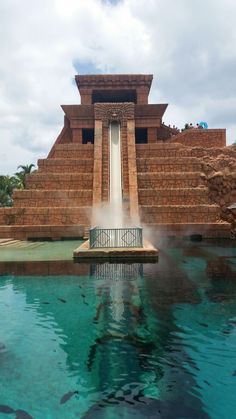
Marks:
<point>107,88</point>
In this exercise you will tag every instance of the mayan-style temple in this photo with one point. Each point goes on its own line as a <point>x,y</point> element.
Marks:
<point>163,184</point>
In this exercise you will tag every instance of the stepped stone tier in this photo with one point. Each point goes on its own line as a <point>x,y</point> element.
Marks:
<point>164,183</point>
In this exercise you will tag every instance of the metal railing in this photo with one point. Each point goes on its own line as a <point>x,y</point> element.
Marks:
<point>115,237</point>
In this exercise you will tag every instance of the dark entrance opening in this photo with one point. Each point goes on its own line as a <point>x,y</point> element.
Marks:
<point>114,96</point>
<point>87,135</point>
<point>141,135</point>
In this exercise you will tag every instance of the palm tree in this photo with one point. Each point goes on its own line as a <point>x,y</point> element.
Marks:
<point>7,185</point>
<point>21,176</point>
<point>27,168</point>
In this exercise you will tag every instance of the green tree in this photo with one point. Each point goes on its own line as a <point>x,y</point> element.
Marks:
<point>21,175</point>
<point>7,186</point>
<point>9,183</point>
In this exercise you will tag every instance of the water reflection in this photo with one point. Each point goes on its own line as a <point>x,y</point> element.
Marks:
<point>116,285</point>
<point>135,357</point>
<point>132,339</point>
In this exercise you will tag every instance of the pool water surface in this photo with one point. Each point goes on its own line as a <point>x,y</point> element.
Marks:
<point>121,340</point>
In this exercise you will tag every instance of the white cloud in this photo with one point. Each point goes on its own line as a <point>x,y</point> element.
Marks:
<point>188,46</point>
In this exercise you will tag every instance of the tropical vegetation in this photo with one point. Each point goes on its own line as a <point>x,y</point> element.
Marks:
<point>9,183</point>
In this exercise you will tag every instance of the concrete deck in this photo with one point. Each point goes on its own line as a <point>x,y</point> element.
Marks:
<point>147,253</point>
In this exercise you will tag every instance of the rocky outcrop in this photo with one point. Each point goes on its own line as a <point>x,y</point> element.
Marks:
<point>220,177</point>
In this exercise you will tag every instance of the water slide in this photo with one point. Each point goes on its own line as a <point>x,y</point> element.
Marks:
<point>115,175</point>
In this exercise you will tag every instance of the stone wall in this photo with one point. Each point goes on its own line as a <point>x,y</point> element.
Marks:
<point>70,150</point>
<point>53,198</point>
<point>58,181</point>
<point>201,138</point>
<point>173,192</point>
<point>73,165</point>
<point>45,216</point>
<point>179,214</point>
<point>169,180</point>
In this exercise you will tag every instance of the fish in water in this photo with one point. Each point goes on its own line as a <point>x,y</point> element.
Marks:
<point>45,302</point>
<point>62,300</point>
<point>203,324</point>
<point>2,347</point>
<point>68,396</point>
<point>22,414</point>
<point>207,382</point>
<point>6,409</point>
<point>226,332</point>
<point>85,302</point>
<point>234,373</point>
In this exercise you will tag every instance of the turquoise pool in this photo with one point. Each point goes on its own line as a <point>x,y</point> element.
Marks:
<point>120,340</point>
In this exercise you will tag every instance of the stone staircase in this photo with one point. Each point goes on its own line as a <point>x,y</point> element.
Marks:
<point>57,201</point>
<point>173,197</point>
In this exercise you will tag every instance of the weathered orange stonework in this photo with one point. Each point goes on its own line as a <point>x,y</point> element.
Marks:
<point>163,179</point>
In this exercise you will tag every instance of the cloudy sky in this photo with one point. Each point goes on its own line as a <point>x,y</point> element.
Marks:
<point>188,45</point>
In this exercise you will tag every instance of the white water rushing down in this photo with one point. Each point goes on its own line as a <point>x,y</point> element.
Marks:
<point>115,175</point>
<point>116,207</point>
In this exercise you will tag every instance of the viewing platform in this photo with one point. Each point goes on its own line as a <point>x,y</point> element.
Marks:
<point>116,243</point>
